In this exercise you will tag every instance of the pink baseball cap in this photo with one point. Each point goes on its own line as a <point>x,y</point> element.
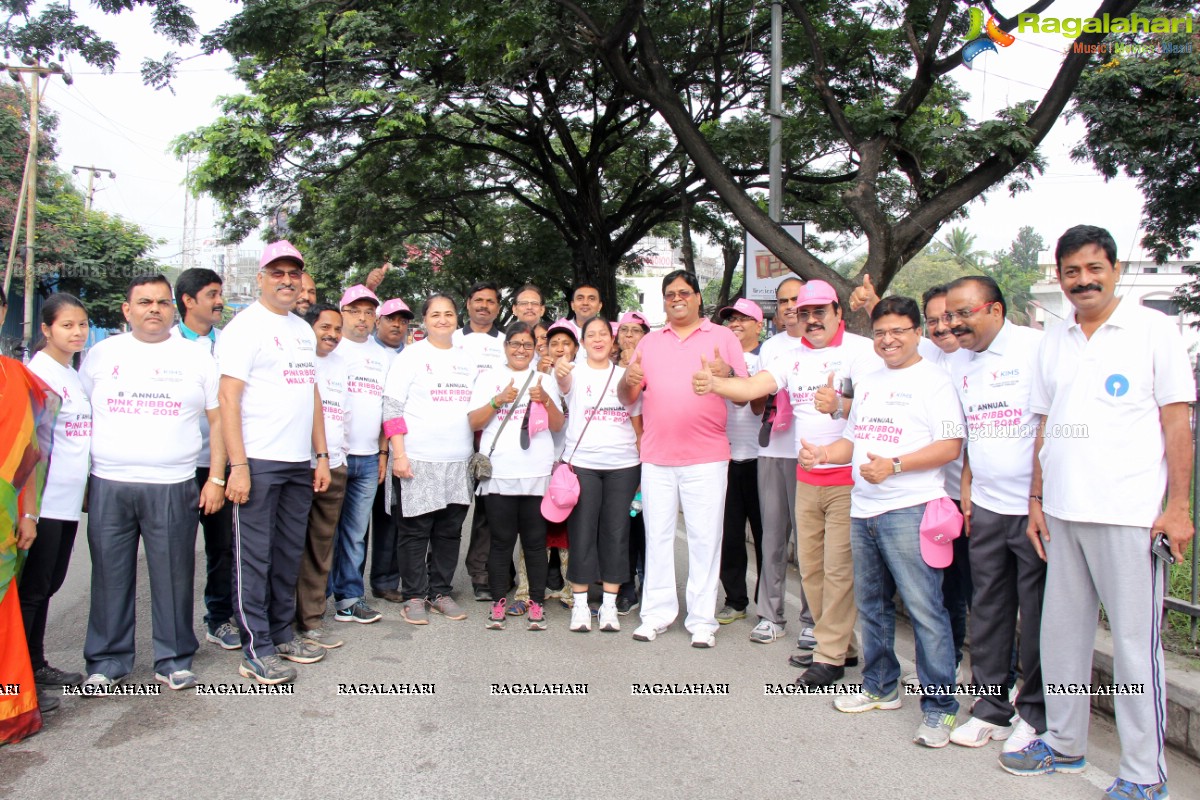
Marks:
<point>941,524</point>
<point>784,415</point>
<point>539,420</point>
<point>561,324</point>
<point>561,495</point>
<point>633,318</point>
<point>396,306</point>
<point>816,293</point>
<point>279,250</point>
<point>742,306</point>
<point>357,292</point>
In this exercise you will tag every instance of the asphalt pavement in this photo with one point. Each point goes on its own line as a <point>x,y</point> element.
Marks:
<point>609,717</point>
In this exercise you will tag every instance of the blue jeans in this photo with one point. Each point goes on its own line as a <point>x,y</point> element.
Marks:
<point>350,543</point>
<point>887,557</point>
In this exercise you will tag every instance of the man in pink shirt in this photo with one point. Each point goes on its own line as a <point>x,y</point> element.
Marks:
<point>685,455</point>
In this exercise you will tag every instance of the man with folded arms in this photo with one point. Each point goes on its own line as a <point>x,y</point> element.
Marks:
<point>1111,389</point>
<point>993,386</point>
<point>366,368</point>
<point>271,417</point>
<point>149,387</point>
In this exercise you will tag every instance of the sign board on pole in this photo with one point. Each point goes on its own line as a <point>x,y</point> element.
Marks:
<point>762,270</point>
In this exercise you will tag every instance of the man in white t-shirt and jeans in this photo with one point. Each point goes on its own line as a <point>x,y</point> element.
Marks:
<point>272,422</point>
<point>905,424</point>
<point>1111,389</point>
<point>151,388</point>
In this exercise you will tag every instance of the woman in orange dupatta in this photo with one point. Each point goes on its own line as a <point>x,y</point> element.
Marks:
<point>27,411</point>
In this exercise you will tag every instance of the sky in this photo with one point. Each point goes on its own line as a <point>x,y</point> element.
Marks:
<point>116,123</point>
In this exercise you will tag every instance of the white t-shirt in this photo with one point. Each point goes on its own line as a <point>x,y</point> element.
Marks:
<point>366,370</point>
<point>336,411</point>
<point>69,458</point>
<point>509,460</point>
<point>897,412</point>
<point>433,386</point>
<point>803,370</point>
<point>208,347</point>
<point>742,424</point>
<point>147,400</point>
<point>993,387</point>
<point>1104,454</point>
<point>779,346</point>
<point>275,356</point>
<point>610,442</point>
<point>484,350</point>
<point>952,472</point>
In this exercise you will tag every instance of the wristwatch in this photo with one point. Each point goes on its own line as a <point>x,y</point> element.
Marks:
<point>216,480</point>
<point>36,519</point>
<point>896,466</point>
<point>837,412</point>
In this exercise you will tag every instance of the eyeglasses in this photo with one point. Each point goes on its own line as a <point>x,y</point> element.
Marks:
<point>818,314</point>
<point>681,295</point>
<point>527,303</point>
<point>520,345</point>
<point>359,312</point>
<point>950,316</point>
<point>279,274</point>
<point>895,333</point>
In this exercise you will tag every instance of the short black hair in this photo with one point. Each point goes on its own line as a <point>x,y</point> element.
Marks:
<point>317,310</point>
<point>932,293</point>
<point>1081,236</point>
<point>991,289</point>
<point>516,329</point>
<point>900,306</point>
<point>190,282</point>
<point>529,287</point>
<point>584,284</point>
<point>481,286</point>
<point>143,280</point>
<point>587,322</point>
<point>688,277</point>
<point>789,279</point>
<point>428,300</point>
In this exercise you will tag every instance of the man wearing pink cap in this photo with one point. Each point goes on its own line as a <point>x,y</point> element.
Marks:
<point>684,456</point>
<point>745,319</point>
<point>272,423</point>
<point>391,332</point>
<point>366,368</point>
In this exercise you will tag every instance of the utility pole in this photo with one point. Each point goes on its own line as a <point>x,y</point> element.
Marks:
<point>93,173</point>
<point>36,72</point>
<point>775,105</point>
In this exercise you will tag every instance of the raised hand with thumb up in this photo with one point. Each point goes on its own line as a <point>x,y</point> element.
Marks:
<point>703,380</point>
<point>505,397</point>
<point>634,374</point>
<point>825,400</point>
<point>563,367</point>
<point>537,394</point>
<point>717,365</point>
<point>811,455</point>
<point>864,296</point>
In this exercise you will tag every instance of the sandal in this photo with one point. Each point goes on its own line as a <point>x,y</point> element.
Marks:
<point>518,608</point>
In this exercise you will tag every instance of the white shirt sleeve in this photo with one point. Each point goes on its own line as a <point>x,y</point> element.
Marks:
<point>1173,381</point>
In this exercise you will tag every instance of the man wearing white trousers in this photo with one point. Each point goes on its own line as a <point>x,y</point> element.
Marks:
<point>1112,388</point>
<point>685,455</point>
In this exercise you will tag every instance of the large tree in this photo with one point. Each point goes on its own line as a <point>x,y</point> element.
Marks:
<point>872,79</point>
<point>391,122</point>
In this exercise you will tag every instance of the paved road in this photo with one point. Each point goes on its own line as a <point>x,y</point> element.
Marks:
<point>463,741</point>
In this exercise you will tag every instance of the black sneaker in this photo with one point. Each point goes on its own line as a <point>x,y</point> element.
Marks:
<point>359,612</point>
<point>47,701</point>
<point>804,660</point>
<point>482,593</point>
<point>52,676</point>
<point>624,605</point>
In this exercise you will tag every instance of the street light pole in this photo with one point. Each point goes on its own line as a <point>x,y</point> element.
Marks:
<point>93,172</point>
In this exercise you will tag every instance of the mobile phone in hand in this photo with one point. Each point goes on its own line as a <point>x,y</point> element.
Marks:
<point>1161,548</point>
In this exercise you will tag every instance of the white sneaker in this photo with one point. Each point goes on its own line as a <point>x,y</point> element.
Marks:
<point>765,632</point>
<point>648,632</point>
<point>865,701</point>
<point>581,618</point>
<point>1021,736</point>
<point>609,621</point>
<point>961,676</point>
<point>179,679</point>
<point>976,733</point>
<point>704,639</point>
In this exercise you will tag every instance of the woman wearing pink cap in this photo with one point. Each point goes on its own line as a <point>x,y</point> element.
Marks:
<point>602,448</point>
<point>517,408</point>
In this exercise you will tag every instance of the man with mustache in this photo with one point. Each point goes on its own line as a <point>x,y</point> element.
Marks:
<point>147,386</point>
<point>272,422</point>
<point>1114,440</point>
<point>307,297</point>
<point>993,386</point>
<point>201,307</point>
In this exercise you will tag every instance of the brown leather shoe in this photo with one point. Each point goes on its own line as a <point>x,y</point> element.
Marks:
<point>391,595</point>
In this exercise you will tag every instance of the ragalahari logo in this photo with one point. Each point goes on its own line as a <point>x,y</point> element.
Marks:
<point>982,37</point>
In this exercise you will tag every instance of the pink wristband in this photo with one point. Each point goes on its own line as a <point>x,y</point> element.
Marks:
<point>395,426</point>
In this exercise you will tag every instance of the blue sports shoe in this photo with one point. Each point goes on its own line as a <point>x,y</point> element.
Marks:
<point>1038,758</point>
<point>1124,790</point>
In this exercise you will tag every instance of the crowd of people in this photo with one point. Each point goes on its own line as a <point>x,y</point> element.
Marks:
<point>1002,481</point>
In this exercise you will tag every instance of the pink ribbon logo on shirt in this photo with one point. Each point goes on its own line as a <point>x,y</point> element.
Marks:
<point>428,368</point>
<point>278,343</point>
<point>116,371</point>
<point>66,395</point>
